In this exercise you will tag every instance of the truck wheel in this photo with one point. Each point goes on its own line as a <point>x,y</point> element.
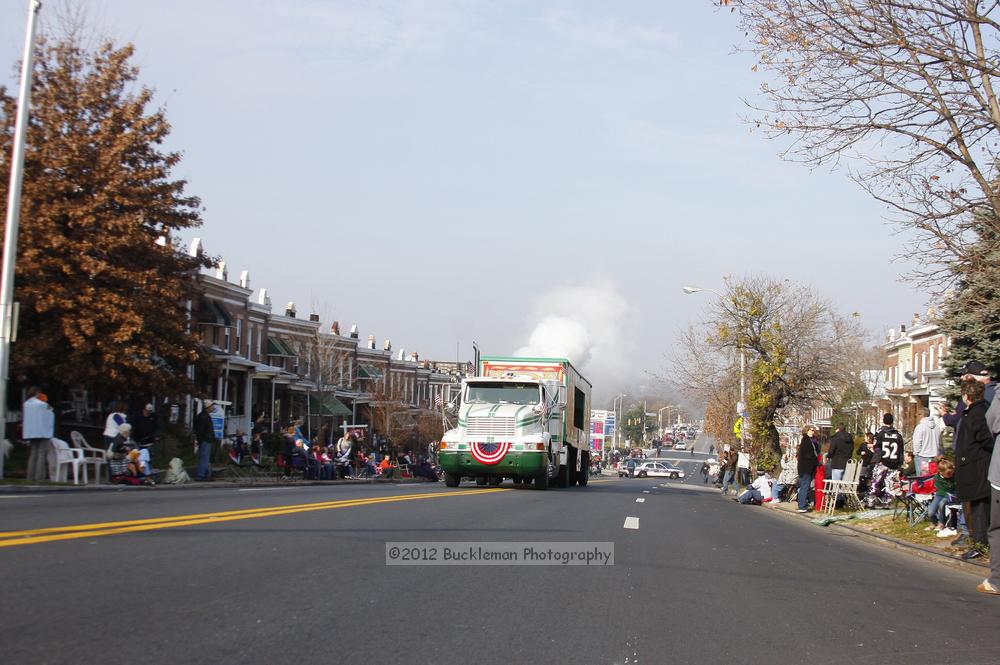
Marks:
<point>562,480</point>
<point>571,456</point>
<point>451,479</point>
<point>481,481</point>
<point>584,475</point>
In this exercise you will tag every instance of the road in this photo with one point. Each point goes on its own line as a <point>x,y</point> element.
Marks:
<point>300,577</point>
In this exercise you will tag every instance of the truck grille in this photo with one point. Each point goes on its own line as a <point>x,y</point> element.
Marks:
<point>485,426</point>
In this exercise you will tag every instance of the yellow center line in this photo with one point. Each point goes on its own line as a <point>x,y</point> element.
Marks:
<point>31,537</point>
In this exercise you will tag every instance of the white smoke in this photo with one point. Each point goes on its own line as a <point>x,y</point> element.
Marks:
<point>592,327</point>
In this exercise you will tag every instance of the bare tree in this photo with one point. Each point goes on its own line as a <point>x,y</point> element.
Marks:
<point>799,352</point>
<point>902,88</point>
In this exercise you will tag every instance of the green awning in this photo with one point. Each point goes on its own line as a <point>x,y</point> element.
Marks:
<point>328,405</point>
<point>369,372</point>
<point>276,347</point>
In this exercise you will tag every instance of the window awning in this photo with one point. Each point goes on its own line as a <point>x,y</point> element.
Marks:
<point>327,405</point>
<point>212,313</point>
<point>369,372</point>
<point>276,347</point>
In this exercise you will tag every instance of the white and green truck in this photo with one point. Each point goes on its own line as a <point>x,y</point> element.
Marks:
<point>527,419</point>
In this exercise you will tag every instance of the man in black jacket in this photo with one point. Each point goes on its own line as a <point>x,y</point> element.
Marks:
<point>841,450</point>
<point>807,462</point>
<point>204,431</point>
<point>886,462</point>
<point>973,450</point>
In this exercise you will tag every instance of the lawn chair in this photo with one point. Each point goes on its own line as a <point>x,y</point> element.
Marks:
<point>69,457</point>
<point>914,499</point>
<point>92,456</point>
<point>846,487</point>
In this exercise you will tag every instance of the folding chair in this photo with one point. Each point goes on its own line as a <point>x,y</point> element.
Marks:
<point>908,503</point>
<point>846,487</point>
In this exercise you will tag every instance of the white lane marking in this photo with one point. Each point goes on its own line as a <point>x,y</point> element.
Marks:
<point>261,489</point>
<point>17,496</point>
<point>640,500</point>
<point>631,523</point>
<point>645,491</point>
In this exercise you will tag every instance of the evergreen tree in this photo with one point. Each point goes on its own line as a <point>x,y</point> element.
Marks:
<point>102,290</point>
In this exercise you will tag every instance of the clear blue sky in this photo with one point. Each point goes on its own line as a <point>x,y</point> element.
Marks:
<point>432,170</point>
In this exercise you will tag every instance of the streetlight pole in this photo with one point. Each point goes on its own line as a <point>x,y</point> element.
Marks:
<point>14,214</point>
<point>616,404</point>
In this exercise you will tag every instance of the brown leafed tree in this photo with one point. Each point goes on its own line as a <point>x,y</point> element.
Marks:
<point>799,352</point>
<point>101,286</point>
<point>903,91</point>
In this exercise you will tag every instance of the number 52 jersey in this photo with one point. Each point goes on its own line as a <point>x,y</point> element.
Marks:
<point>889,447</point>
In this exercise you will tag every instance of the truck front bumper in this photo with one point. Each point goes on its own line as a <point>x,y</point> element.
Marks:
<point>514,463</point>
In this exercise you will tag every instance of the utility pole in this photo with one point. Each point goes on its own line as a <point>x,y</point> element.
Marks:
<point>7,324</point>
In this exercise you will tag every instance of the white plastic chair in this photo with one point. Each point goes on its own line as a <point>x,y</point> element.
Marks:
<point>92,456</point>
<point>66,456</point>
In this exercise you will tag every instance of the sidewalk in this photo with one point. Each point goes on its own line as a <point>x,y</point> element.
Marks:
<point>886,532</point>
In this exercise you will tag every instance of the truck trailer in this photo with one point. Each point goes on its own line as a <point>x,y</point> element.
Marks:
<point>527,419</point>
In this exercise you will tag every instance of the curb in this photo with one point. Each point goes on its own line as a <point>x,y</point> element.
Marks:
<point>217,484</point>
<point>914,549</point>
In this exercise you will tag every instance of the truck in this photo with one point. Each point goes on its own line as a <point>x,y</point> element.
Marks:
<point>526,419</point>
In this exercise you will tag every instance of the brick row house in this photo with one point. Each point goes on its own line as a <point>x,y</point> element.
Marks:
<point>270,369</point>
<point>914,372</point>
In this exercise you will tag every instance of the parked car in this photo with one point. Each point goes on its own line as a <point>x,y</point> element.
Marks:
<point>681,445</point>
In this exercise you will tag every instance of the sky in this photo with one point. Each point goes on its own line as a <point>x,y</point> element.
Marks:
<point>528,175</point>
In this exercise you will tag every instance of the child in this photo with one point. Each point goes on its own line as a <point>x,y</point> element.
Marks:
<point>944,485</point>
<point>909,465</point>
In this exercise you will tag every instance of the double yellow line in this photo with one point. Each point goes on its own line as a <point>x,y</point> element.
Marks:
<point>51,534</point>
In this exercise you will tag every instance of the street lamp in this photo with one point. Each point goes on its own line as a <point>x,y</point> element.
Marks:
<point>659,415</point>
<point>688,290</point>
<point>616,404</point>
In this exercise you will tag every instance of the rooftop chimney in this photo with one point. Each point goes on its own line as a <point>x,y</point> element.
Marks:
<point>371,341</point>
<point>892,335</point>
<point>263,298</point>
<point>290,309</point>
<point>902,330</point>
<point>196,248</point>
<point>415,357</point>
<point>387,346</point>
<point>245,279</point>
<point>221,272</point>
<point>335,327</point>
<point>354,332</point>
<point>314,318</point>
<point>401,355</point>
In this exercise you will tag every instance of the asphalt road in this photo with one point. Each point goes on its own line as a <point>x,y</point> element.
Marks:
<point>300,577</point>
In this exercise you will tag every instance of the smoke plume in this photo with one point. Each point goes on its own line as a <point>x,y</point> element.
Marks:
<point>592,327</point>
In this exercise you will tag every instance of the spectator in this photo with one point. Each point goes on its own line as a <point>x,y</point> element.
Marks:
<point>972,370</point>
<point>865,456</point>
<point>37,430</point>
<point>204,431</point>
<point>808,460</point>
<point>113,422</point>
<point>729,472</point>
<point>144,426</point>
<point>841,450</point>
<point>758,491</point>
<point>124,448</point>
<point>992,583</point>
<point>973,450</point>
<point>944,487</point>
<point>926,441</point>
<point>713,471</point>
<point>742,467</point>
<point>788,477</point>
<point>886,463</point>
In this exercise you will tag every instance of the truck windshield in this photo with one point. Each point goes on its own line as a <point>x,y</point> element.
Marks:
<point>502,393</point>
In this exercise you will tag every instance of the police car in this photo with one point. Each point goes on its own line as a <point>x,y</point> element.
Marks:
<point>655,470</point>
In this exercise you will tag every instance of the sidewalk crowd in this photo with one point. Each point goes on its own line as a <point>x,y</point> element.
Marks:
<point>960,485</point>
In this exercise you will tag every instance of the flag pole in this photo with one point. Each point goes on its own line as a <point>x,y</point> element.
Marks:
<point>14,213</point>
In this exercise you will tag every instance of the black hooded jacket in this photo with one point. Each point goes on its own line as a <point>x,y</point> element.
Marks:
<point>841,449</point>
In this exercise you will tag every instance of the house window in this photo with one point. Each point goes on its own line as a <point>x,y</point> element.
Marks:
<point>931,365</point>
<point>239,336</point>
<point>227,334</point>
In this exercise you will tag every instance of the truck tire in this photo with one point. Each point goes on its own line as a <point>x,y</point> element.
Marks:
<point>451,479</point>
<point>571,456</point>
<point>481,481</point>
<point>562,480</point>
<point>584,475</point>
